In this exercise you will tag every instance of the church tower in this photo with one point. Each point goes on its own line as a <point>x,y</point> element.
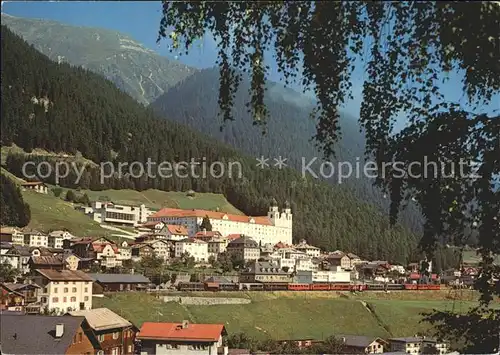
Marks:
<point>274,214</point>
<point>286,215</point>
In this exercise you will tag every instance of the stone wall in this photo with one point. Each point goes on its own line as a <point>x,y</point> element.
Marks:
<point>206,301</point>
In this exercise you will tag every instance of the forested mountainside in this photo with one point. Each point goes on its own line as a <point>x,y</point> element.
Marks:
<point>137,70</point>
<point>65,109</point>
<point>289,130</point>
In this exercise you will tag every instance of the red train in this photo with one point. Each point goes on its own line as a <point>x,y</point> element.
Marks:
<point>271,286</point>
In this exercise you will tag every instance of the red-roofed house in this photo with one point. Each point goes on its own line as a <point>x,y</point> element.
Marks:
<point>274,227</point>
<point>207,235</point>
<point>181,338</point>
<point>174,232</point>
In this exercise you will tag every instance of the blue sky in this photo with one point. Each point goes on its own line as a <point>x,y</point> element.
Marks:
<point>140,20</point>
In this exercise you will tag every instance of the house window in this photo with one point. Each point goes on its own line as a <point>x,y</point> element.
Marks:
<point>65,290</point>
<point>73,299</point>
<point>55,299</point>
<point>116,335</point>
<point>55,290</point>
<point>65,299</point>
<point>73,289</point>
<point>86,298</point>
<point>100,337</point>
<point>100,352</point>
<point>80,337</point>
<point>86,289</point>
<point>129,349</point>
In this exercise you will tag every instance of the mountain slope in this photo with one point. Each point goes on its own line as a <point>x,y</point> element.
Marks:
<point>137,70</point>
<point>194,102</point>
<point>64,109</point>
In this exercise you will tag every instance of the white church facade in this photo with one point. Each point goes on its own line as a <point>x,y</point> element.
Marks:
<point>274,228</point>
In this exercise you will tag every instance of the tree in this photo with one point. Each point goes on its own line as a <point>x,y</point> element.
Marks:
<point>320,43</point>
<point>84,200</point>
<point>8,273</point>
<point>225,262</point>
<point>14,211</point>
<point>57,191</point>
<point>205,224</point>
<point>70,196</point>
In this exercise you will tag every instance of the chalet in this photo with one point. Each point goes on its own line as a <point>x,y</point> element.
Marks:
<point>102,249</point>
<point>300,343</point>
<point>11,300</point>
<point>115,334</point>
<point>37,186</point>
<point>182,338</point>
<point>356,344</point>
<point>119,282</point>
<point>27,290</point>
<point>36,334</point>
<point>308,249</point>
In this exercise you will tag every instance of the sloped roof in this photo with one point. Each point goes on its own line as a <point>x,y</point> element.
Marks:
<point>243,241</point>
<point>174,212</point>
<point>35,334</point>
<point>176,230</point>
<point>120,278</point>
<point>175,331</point>
<point>64,275</point>
<point>47,260</point>
<point>192,240</point>
<point>102,319</point>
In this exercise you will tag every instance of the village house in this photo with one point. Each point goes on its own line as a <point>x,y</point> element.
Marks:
<point>151,226</point>
<point>115,334</point>
<point>118,282</point>
<point>244,248</point>
<point>55,239</point>
<point>101,249</point>
<point>37,334</point>
<point>433,345</point>
<point>11,235</point>
<point>341,260</point>
<point>308,249</point>
<point>17,256</point>
<point>161,248</point>
<point>196,248</point>
<point>216,246</point>
<point>11,300</point>
<point>263,271</point>
<point>354,259</point>
<point>27,290</point>
<point>181,338</point>
<point>63,291</point>
<point>141,250</point>
<point>37,186</point>
<point>124,252</point>
<point>356,344</point>
<point>409,345</point>
<point>34,238</point>
<point>174,232</point>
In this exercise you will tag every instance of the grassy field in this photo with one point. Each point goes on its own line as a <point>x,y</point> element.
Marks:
<point>51,213</point>
<point>158,199</point>
<point>282,315</point>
